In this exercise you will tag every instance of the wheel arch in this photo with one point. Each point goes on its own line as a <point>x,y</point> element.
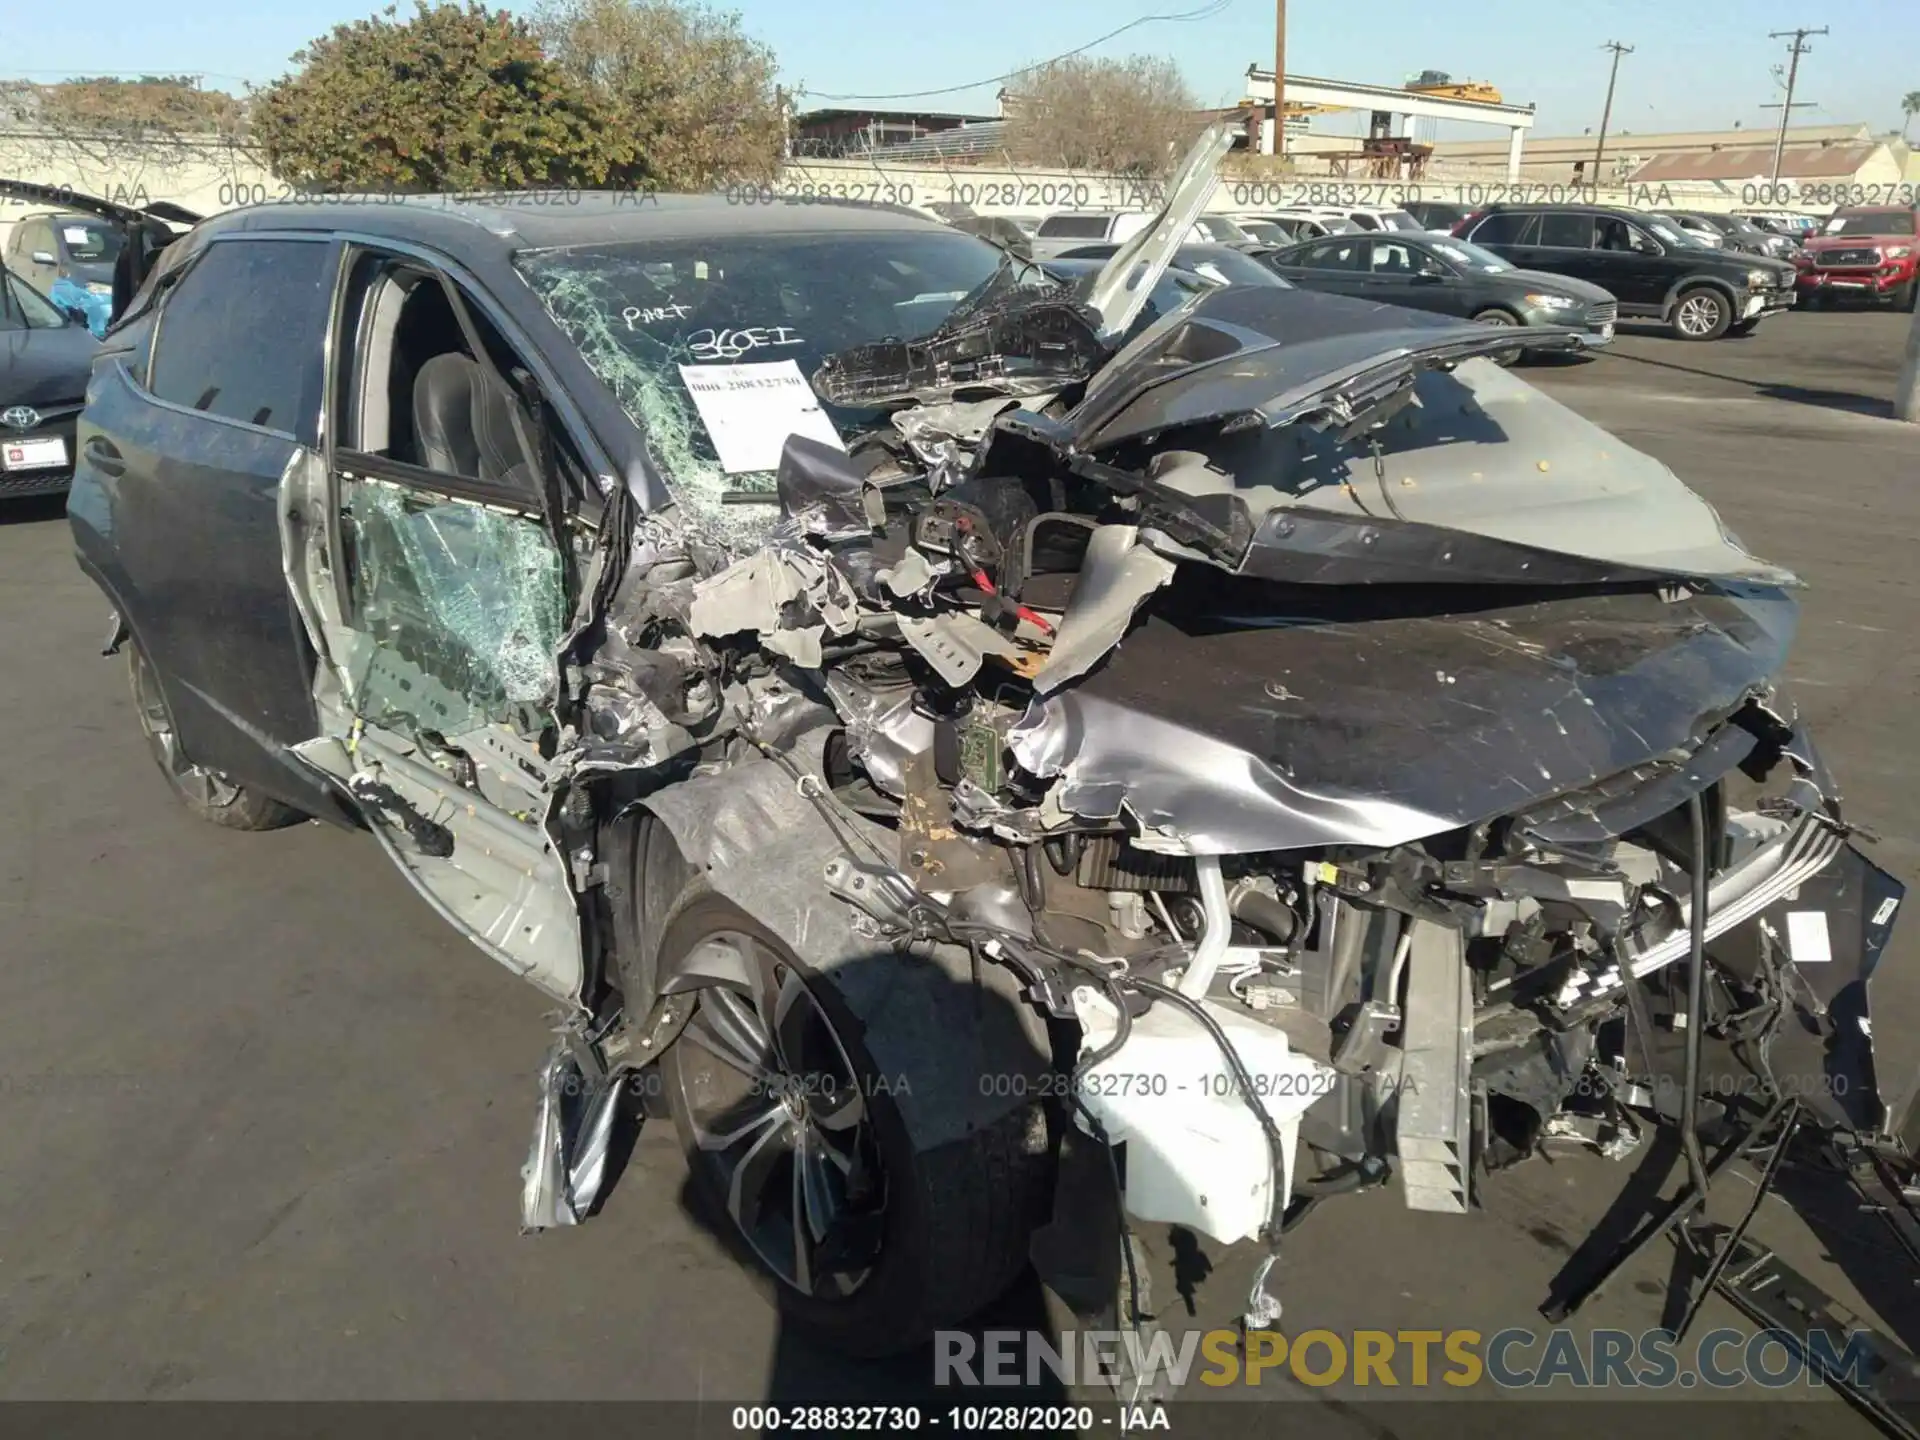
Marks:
<point>940,1036</point>
<point>1688,283</point>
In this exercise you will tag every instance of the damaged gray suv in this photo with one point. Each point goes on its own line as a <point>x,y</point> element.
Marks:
<point>1007,756</point>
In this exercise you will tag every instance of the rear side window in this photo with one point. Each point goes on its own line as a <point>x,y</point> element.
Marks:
<point>1342,254</point>
<point>1566,232</point>
<point>241,333</point>
<point>1074,227</point>
<point>1505,228</point>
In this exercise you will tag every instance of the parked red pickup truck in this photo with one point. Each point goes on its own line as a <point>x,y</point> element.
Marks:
<point>1869,253</point>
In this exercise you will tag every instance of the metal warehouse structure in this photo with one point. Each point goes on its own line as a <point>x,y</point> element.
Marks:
<point>1389,101</point>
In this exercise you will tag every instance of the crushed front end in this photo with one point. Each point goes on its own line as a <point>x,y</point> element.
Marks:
<point>1359,765</point>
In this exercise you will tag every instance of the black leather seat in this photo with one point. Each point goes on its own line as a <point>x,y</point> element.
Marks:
<point>463,423</point>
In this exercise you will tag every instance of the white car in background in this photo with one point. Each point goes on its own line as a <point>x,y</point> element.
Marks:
<point>1071,229</point>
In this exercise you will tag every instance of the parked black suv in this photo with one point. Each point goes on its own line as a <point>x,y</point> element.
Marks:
<point>1654,270</point>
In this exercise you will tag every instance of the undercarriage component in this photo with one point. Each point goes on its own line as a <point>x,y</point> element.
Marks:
<point>567,1161</point>
<point>1434,1131</point>
<point>1198,1156</point>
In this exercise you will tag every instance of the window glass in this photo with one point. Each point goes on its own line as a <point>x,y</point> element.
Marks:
<point>1872,222</point>
<point>1566,232</point>
<point>1340,254</point>
<point>1505,228</point>
<point>25,308</point>
<point>1615,234</point>
<point>665,322</point>
<point>467,603</point>
<point>241,333</point>
<point>1075,227</point>
<point>1465,253</point>
<point>1392,258</point>
<point>90,242</point>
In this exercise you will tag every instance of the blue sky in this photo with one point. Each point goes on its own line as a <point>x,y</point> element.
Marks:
<point>1698,63</point>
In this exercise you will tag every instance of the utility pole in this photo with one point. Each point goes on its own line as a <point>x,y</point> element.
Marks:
<point>1600,146</point>
<point>1798,48</point>
<point>1279,77</point>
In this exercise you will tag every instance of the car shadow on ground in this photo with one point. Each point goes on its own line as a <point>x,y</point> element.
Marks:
<point>803,1372</point>
<point>33,510</point>
<point>1850,401</point>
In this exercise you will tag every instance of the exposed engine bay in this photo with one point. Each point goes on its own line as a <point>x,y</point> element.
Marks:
<point>1349,762</point>
<point>1339,738</point>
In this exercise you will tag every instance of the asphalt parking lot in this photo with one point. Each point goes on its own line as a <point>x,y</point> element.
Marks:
<point>262,1114</point>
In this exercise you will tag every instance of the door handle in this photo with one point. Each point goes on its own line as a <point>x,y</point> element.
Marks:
<point>102,455</point>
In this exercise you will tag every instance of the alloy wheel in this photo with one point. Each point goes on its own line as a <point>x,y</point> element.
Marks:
<point>208,788</point>
<point>781,1121</point>
<point>1699,314</point>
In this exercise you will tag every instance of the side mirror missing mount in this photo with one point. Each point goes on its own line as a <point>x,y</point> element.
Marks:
<point>75,314</point>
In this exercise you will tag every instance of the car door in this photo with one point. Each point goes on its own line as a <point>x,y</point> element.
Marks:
<point>182,451</point>
<point>1632,264</point>
<point>1559,242</point>
<point>1403,272</point>
<point>441,597</point>
<point>1337,263</point>
<point>1507,233</point>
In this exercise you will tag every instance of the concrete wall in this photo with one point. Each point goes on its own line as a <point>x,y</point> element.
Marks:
<point>207,176</point>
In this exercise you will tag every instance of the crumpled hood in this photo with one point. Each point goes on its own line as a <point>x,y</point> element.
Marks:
<point>1243,717</point>
<point>1284,401</point>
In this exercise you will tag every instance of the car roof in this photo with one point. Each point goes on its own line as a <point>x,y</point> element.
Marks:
<point>1618,212</point>
<point>464,225</point>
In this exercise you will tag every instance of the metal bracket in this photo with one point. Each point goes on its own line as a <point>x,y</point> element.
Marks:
<point>1434,1131</point>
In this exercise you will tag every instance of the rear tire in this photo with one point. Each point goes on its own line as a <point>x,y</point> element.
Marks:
<point>207,793</point>
<point>1701,313</point>
<point>917,1237</point>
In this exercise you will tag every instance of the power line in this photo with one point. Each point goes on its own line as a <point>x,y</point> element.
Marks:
<point>1204,12</point>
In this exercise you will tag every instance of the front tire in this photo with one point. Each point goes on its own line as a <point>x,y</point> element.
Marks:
<point>864,1237</point>
<point>1701,314</point>
<point>1904,296</point>
<point>1744,328</point>
<point>1502,358</point>
<point>210,794</point>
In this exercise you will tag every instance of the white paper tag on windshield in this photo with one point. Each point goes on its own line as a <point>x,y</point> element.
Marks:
<point>1807,940</point>
<point>750,410</point>
<point>76,234</point>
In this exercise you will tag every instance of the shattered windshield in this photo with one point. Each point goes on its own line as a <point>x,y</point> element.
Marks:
<point>710,342</point>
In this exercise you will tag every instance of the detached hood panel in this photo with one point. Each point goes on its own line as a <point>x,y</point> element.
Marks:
<point>1289,401</point>
<point>1325,724</point>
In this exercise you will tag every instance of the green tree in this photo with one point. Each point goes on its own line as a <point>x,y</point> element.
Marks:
<point>459,97</point>
<point>172,104</point>
<point>693,91</point>
<point>1909,107</point>
<point>1130,117</point>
